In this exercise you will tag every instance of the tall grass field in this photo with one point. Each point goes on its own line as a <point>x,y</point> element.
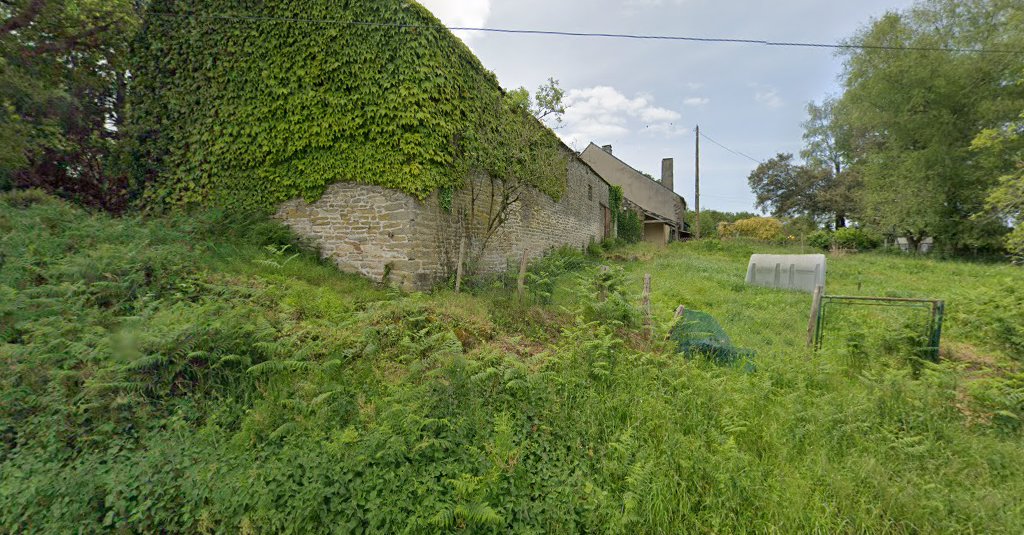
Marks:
<point>206,374</point>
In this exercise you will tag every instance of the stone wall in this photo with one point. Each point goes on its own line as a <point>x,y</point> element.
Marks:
<point>378,232</point>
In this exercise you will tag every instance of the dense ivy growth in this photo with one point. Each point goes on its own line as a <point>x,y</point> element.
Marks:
<point>630,227</point>
<point>255,103</point>
<point>615,202</point>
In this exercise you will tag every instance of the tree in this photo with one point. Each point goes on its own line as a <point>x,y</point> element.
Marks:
<point>547,104</point>
<point>1003,148</point>
<point>825,154</point>
<point>63,80</point>
<point>786,189</point>
<point>522,151</point>
<point>910,117</point>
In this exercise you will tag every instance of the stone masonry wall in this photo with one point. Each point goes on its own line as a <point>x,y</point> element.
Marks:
<point>375,231</point>
<point>536,224</point>
<point>361,228</point>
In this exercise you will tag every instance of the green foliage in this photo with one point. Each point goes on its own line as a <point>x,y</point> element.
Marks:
<point>709,220</point>
<point>630,227</point>
<point>1002,150</point>
<point>1003,398</point>
<point>821,239</point>
<point>912,118</point>
<point>602,298</point>
<point>543,273</point>
<point>252,111</point>
<point>856,239</point>
<point>615,197</point>
<point>849,238</point>
<point>160,375</point>
<point>787,189</point>
<point>759,228</point>
<point>63,81</point>
<point>827,154</point>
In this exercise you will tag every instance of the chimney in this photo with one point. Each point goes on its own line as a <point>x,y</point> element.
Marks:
<point>607,148</point>
<point>667,174</point>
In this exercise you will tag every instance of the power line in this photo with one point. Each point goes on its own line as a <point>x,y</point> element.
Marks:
<point>736,152</point>
<point>650,37</point>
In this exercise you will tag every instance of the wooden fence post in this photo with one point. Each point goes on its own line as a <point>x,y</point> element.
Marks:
<point>458,270</point>
<point>680,316</point>
<point>648,327</point>
<point>812,323</point>
<point>521,283</point>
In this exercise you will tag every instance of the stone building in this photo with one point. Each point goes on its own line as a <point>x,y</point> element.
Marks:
<point>347,140</point>
<point>656,201</point>
<point>387,235</point>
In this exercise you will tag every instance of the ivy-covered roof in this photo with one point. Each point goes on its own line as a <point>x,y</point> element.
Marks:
<point>253,103</point>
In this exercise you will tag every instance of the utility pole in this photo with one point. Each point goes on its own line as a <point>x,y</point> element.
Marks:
<point>696,197</point>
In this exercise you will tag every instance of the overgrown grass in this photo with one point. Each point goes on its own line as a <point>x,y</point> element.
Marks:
<point>202,375</point>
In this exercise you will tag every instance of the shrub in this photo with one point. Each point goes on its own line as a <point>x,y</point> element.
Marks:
<point>25,198</point>
<point>710,220</point>
<point>821,239</point>
<point>602,298</point>
<point>542,274</point>
<point>759,228</point>
<point>845,238</point>
<point>856,239</point>
<point>630,227</point>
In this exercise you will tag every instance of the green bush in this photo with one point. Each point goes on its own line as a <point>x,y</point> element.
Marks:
<point>544,272</point>
<point>856,239</point>
<point>821,239</point>
<point>602,298</point>
<point>630,227</point>
<point>759,228</point>
<point>849,238</point>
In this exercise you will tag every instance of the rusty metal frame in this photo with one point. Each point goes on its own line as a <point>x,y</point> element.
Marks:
<point>934,330</point>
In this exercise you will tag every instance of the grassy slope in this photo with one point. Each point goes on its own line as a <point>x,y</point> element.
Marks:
<point>984,302</point>
<point>191,375</point>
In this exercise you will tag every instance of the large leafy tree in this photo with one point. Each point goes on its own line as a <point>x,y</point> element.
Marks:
<point>812,191</point>
<point>911,116</point>
<point>823,188</point>
<point>1003,148</point>
<point>63,82</point>
<point>826,155</point>
<point>786,189</point>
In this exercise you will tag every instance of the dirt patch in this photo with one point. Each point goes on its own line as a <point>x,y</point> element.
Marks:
<point>618,257</point>
<point>522,348</point>
<point>967,354</point>
<point>969,409</point>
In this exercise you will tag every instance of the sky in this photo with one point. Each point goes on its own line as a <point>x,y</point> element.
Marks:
<point>645,97</point>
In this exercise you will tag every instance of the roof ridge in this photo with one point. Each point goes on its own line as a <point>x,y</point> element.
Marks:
<point>631,168</point>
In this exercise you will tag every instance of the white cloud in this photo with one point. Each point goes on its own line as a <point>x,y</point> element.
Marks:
<point>603,114</point>
<point>696,101</point>
<point>768,97</point>
<point>461,13</point>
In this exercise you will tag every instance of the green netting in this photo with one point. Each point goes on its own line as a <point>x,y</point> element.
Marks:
<point>699,334</point>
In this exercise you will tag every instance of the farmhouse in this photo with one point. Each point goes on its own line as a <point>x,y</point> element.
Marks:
<point>655,201</point>
<point>390,148</point>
